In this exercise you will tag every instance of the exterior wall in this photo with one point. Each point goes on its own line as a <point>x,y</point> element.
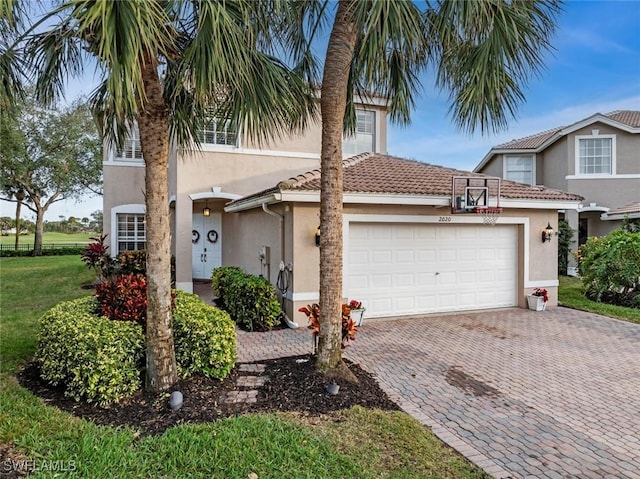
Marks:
<point>552,165</point>
<point>612,193</point>
<point>494,167</point>
<point>123,185</point>
<point>537,261</point>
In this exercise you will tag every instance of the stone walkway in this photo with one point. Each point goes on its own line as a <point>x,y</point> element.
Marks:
<point>523,394</point>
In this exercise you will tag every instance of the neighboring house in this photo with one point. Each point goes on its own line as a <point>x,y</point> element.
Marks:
<point>597,158</point>
<point>404,251</point>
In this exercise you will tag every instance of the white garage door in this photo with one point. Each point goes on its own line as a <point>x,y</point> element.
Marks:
<point>400,269</point>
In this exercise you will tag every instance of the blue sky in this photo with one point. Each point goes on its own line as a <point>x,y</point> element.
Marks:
<point>595,68</point>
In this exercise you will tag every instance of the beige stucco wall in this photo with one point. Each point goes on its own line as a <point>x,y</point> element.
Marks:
<point>552,165</point>
<point>123,185</point>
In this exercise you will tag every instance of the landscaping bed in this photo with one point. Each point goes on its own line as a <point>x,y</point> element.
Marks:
<point>293,385</point>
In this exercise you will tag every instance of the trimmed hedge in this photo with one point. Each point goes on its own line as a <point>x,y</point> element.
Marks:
<point>92,357</point>
<point>205,338</point>
<point>250,300</point>
<point>102,361</point>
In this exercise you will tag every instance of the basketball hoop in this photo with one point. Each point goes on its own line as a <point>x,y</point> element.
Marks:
<point>489,215</point>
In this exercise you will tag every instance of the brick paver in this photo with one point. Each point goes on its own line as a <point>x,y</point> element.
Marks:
<point>520,393</point>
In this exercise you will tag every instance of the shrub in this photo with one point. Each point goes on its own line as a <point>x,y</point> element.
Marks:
<point>46,251</point>
<point>250,300</point>
<point>610,266</point>
<point>91,357</point>
<point>221,280</point>
<point>205,338</point>
<point>132,262</point>
<point>123,298</point>
<point>349,328</point>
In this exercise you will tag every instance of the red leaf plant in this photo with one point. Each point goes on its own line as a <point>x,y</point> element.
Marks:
<point>349,329</point>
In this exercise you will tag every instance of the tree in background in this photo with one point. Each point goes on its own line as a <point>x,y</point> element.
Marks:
<point>483,53</point>
<point>168,67</point>
<point>50,154</point>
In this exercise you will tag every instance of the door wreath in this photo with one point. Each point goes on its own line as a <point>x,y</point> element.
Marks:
<point>212,236</point>
<point>195,236</point>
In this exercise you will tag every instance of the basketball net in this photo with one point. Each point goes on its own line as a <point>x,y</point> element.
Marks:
<point>489,215</point>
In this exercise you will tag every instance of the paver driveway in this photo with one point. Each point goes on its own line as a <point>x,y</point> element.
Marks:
<point>521,393</point>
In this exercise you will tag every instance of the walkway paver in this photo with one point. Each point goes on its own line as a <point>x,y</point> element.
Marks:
<point>520,393</point>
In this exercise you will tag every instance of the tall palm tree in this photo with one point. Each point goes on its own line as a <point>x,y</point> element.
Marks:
<point>168,66</point>
<point>483,53</point>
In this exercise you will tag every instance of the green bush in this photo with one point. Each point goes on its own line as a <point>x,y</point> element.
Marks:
<point>91,357</point>
<point>250,300</point>
<point>221,280</point>
<point>62,251</point>
<point>610,267</point>
<point>205,338</point>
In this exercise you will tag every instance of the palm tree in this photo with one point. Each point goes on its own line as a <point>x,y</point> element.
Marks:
<point>482,52</point>
<point>168,66</point>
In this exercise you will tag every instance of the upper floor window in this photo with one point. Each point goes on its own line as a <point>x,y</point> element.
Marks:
<point>364,138</point>
<point>131,150</point>
<point>520,169</point>
<point>595,155</point>
<point>132,234</point>
<point>219,133</point>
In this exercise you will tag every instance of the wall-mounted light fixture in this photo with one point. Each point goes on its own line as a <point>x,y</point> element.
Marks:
<point>206,211</point>
<point>547,233</point>
<point>317,236</point>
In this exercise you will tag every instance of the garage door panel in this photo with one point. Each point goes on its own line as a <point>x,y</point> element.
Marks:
<point>419,268</point>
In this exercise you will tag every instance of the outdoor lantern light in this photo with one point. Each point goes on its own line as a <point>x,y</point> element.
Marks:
<point>206,211</point>
<point>547,233</point>
<point>318,236</point>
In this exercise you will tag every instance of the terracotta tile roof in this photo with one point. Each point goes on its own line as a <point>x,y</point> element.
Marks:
<point>384,174</point>
<point>626,117</point>
<point>625,210</point>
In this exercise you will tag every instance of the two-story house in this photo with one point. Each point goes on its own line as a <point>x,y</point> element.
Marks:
<point>597,158</point>
<point>405,252</point>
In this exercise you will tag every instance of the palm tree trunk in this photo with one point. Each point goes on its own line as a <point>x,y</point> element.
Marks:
<point>154,139</point>
<point>333,102</point>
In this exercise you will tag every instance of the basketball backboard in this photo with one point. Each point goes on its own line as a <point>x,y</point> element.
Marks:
<point>474,192</point>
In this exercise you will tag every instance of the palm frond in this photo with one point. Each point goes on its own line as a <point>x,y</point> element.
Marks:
<point>486,53</point>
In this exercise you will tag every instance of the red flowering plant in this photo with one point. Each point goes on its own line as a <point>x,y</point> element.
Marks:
<point>541,292</point>
<point>349,328</point>
<point>355,304</point>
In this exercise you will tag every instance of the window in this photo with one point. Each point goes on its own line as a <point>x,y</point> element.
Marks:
<point>364,138</point>
<point>595,155</point>
<point>520,169</point>
<point>132,234</point>
<point>219,133</point>
<point>131,149</point>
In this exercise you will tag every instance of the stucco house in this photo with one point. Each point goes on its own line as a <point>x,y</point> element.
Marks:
<point>597,158</point>
<point>405,252</point>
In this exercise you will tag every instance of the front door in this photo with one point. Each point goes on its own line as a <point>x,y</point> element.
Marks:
<point>206,244</point>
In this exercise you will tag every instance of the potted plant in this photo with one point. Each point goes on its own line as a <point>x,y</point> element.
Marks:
<point>538,299</point>
<point>357,311</point>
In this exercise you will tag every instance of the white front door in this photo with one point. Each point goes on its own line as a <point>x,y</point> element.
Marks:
<point>206,244</point>
<point>405,268</point>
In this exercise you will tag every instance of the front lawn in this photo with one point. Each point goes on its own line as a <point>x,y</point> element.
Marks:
<point>570,294</point>
<point>50,237</point>
<point>355,443</point>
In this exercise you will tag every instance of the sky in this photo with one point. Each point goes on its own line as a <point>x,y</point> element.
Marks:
<point>594,68</point>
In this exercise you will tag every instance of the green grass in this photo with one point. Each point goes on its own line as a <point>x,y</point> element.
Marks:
<point>49,238</point>
<point>357,443</point>
<point>570,294</point>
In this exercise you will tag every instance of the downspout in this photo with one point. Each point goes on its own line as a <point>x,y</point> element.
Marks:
<point>266,209</point>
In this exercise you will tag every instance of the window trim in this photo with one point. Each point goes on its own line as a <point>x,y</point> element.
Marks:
<point>533,158</point>
<point>227,146</point>
<point>131,209</point>
<point>594,136</point>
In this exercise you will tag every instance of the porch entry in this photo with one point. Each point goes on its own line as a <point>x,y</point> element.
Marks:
<point>206,244</point>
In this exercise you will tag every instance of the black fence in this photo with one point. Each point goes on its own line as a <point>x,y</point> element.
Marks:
<point>48,249</point>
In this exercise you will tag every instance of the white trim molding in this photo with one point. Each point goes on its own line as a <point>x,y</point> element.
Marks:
<point>595,135</point>
<point>624,176</point>
<point>216,192</point>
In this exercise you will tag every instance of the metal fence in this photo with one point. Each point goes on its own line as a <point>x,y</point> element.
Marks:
<point>45,246</point>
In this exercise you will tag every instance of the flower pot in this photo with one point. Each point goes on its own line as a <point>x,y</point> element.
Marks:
<point>356,315</point>
<point>536,303</point>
